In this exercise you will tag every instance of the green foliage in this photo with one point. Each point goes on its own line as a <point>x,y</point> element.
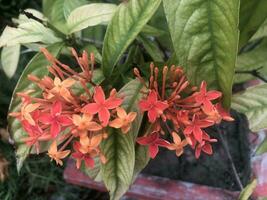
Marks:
<point>253,103</point>
<point>119,149</point>
<point>127,22</point>
<point>252,15</point>
<point>248,190</point>
<point>205,39</point>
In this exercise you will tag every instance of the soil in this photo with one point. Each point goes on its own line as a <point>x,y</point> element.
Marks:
<point>212,170</point>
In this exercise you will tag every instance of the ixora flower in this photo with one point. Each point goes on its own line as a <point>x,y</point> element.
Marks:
<point>78,123</point>
<point>101,106</point>
<point>176,108</point>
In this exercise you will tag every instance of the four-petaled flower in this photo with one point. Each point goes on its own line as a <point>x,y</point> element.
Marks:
<point>56,155</point>
<point>203,97</point>
<point>55,119</point>
<point>26,111</point>
<point>102,105</point>
<point>196,126</point>
<point>178,144</point>
<point>62,88</point>
<point>124,120</point>
<point>84,123</point>
<point>153,142</point>
<point>205,145</point>
<point>153,106</point>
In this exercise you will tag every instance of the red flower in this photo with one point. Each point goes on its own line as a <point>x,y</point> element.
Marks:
<point>102,105</point>
<point>35,134</point>
<point>195,127</point>
<point>79,156</point>
<point>153,141</point>
<point>205,145</point>
<point>223,113</point>
<point>204,97</point>
<point>154,107</point>
<point>55,119</point>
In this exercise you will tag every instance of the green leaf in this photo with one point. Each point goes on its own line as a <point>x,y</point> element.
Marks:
<point>28,32</point>
<point>10,59</point>
<point>152,31</point>
<point>58,11</point>
<point>252,15</point>
<point>251,60</point>
<point>37,66</point>
<point>248,190</point>
<point>205,36</point>
<point>127,22</point>
<point>253,103</point>
<point>119,149</point>
<point>262,31</point>
<point>152,48</point>
<point>262,148</point>
<point>90,15</point>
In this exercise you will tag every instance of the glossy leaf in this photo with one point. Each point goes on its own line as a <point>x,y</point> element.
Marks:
<point>252,15</point>
<point>248,190</point>
<point>119,149</point>
<point>205,36</point>
<point>261,32</point>
<point>10,59</point>
<point>253,103</point>
<point>152,31</point>
<point>38,67</point>
<point>58,11</point>
<point>90,15</point>
<point>129,20</point>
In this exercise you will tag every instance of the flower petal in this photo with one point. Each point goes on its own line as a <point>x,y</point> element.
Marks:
<point>152,97</point>
<point>121,113</point>
<point>104,116</point>
<point>93,126</point>
<point>99,95</point>
<point>153,150</point>
<point>64,120</point>
<point>116,123</point>
<point>54,129</point>
<point>152,115</point>
<point>113,102</point>
<point>91,108</point>
<point>46,118</point>
<point>56,108</point>
<point>89,162</point>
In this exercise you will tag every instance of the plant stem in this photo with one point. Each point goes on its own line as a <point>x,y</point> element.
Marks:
<point>226,149</point>
<point>254,72</point>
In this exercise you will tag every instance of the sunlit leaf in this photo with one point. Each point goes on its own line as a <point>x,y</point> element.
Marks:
<point>253,103</point>
<point>10,59</point>
<point>90,15</point>
<point>248,190</point>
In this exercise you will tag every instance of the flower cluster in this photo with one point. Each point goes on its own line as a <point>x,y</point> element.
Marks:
<point>72,122</point>
<point>183,111</point>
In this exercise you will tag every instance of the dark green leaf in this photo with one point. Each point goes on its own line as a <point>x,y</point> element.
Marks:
<point>127,22</point>
<point>252,15</point>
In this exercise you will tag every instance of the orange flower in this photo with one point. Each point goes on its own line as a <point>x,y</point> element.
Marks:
<point>26,110</point>
<point>56,155</point>
<point>178,144</point>
<point>124,120</point>
<point>84,123</point>
<point>62,88</point>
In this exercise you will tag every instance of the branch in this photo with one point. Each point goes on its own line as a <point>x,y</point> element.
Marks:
<point>254,72</point>
<point>226,149</point>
